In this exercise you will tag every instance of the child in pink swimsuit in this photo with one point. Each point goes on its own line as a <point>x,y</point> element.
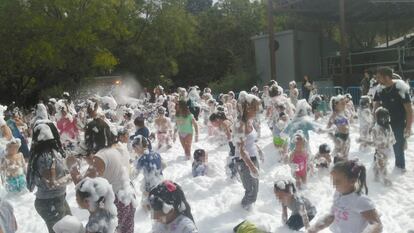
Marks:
<point>299,158</point>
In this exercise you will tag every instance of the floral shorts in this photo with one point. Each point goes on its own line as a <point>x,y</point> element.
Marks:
<point>16,184</point>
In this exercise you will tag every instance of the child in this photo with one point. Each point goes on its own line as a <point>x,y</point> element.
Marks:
<point>171,210</point>
<point>141,130</point>
<point>205,107</point>
<point>302,209</point>
<point>228,106</point>
<point>233,102</point>
<point>351,210</point>
<point>67,125</point>
<point>171,106</point>
<point>220,121</point>
<point>293,93</point>
<point>127,123</point>
<point>365,120</point>
<point>280,141</point>
<point>299,157</point>
<point>14,167</point>
<point>164,128</point>
<point>200,163</point>
<point>341,136</point>
<point>185,123</point>
<point>210,110</point>
<point>316,103</point>
<point>96,196</point>
<point>382,139</point>
<point>150,163</point>
<point>323,157</point>
<point>349,107</point>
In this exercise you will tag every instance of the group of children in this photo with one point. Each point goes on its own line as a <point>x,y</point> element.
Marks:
<point>290,122</point>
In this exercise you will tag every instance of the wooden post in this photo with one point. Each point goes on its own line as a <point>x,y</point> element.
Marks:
<point>344,44</point>
<point>272,50</point>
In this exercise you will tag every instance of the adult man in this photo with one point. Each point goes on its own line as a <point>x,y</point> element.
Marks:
<point>365,83</point>
<point>394,96</point>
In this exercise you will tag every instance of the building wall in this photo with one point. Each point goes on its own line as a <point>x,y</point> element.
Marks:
<point>308,55</point>
<point>285,58</point>
<point>299,53</point>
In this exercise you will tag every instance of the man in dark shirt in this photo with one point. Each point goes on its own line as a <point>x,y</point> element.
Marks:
<point>365,83</point>
<point>395,97</point>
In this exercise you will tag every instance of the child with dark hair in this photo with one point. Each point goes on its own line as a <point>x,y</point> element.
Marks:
<point>150,163</point>
<point>96,196</point>
<point>47,171</point>
<point>316,102</point>
<point>323,157</point>
<point>127,122</point>
<point>141,130</point>
<point>171,210</point>
<point>200,163</point>
<point>351,211</point>
<point>382,139</point>
<point>94,135</point>
<point>302,209</point>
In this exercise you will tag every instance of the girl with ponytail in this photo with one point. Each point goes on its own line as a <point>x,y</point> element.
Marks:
<point>352,211</point>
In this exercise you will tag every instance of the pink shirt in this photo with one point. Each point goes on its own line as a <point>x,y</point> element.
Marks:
<point>301,160</point>
<point>68,127</point>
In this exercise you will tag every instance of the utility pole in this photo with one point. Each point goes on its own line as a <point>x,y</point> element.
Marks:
<point>272,50</point>
<point>344,44</point>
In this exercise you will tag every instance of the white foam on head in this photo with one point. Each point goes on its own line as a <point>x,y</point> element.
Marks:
<point>245,97</point>
<point>45,133</point>
<point>98,187</point>
<point>41,112</point>
<point>402,87</point>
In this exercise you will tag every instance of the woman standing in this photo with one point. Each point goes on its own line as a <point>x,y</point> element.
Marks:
<point>307,86</point>
<point>109,160</point>
<point>185,123</point>
<point>246,150</point>
<point>46,171</point>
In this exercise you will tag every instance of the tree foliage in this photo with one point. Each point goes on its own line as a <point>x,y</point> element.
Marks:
<point>51,45</point>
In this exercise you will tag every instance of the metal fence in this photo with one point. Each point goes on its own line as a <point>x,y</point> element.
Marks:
<point>356,94</point>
